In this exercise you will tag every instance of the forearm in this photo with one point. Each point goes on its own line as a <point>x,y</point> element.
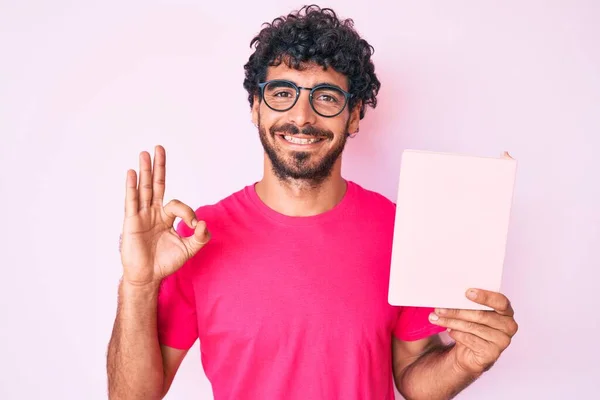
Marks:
<point>435,375</point>
<point>134,362</point>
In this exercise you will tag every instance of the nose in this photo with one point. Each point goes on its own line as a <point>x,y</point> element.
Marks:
<point>302,113</point>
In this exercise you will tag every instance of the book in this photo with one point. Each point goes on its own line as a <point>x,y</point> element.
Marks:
<point>451,228</point>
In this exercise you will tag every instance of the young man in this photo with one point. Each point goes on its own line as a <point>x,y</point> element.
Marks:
<point>288,292</point>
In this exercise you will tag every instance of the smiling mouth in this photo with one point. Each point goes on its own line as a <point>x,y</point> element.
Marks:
<point>300,140</point>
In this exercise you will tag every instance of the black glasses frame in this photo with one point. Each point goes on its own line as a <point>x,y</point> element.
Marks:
<point>347,96</point>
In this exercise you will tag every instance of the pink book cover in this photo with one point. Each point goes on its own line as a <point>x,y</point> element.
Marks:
<point>451,228</point>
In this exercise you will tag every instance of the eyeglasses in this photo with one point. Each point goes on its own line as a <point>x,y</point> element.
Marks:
<point>326,100</point>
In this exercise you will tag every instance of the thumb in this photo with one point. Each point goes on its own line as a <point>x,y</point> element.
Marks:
<point>196,241</point>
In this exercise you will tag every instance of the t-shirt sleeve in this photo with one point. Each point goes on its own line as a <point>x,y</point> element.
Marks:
<point>413,324</point>
<point>176,313</point>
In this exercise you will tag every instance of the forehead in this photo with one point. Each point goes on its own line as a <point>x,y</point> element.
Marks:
<point>309,75</point>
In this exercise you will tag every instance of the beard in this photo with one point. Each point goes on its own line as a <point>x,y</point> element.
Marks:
<point>301,165</point>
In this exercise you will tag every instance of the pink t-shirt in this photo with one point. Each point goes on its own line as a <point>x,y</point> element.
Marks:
<point>291,307</point>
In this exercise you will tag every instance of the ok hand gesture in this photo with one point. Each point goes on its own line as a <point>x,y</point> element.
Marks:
<point>151,249</point>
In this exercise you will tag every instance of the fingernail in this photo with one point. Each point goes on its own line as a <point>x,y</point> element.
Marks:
<point>472,294</point>
<point>206,231</point>
<point>433,317</point>
<point>194,222</point>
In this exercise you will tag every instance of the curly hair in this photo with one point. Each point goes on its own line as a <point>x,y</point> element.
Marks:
<point>314,35</point>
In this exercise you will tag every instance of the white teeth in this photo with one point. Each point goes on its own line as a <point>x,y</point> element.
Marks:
<point>296,140</point>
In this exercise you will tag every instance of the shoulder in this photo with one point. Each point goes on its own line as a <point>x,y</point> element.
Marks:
<point>374,212</point>
<point>373,202</point>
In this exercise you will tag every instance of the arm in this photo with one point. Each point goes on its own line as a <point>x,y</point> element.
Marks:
<point>151,250</point>
<point>427,369</point>
<point>138,367</point>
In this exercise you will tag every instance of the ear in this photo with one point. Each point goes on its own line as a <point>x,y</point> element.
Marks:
<point>354,118</point>
<point>255,106</point>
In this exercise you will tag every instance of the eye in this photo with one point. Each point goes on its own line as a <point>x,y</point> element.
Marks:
<point>328,95</point>
<point>282,93</point>
<point>328,98</point>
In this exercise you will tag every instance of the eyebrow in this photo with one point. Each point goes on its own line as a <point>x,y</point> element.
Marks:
<point>315,85</point>
<point>278,84</point>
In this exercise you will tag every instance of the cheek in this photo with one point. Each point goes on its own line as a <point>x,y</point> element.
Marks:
<point>341,127</point>
<point>265,119</point>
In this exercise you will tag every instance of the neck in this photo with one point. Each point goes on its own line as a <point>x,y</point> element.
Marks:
<point>298,198</point>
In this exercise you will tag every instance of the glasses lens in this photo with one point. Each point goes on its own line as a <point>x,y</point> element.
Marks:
<point>328,101</point>
<point>280,95</point>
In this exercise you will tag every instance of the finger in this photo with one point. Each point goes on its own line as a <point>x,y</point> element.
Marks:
<point>158,176</point>
<point>145,184</point>
<point>200,237</point>
<point>131,194</point>
<point>489,318</point>
<point>495,300</point>
<point>484,332</point>
<point>177,209</point>
<point>476,344</point>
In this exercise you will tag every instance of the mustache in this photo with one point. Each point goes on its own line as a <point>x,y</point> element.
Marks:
<point>310,130</point>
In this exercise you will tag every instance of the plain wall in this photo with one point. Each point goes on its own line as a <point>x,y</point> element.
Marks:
<point>86,86</point>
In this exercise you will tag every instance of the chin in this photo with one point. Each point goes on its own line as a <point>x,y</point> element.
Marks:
<point>309,164</point>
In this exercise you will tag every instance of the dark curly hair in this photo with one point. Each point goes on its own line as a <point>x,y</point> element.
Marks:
<point>314,35</point>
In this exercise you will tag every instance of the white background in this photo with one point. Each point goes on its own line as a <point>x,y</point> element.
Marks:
<point>85,86</point>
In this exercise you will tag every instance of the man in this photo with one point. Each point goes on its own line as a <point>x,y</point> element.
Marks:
<point>288,292</point>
